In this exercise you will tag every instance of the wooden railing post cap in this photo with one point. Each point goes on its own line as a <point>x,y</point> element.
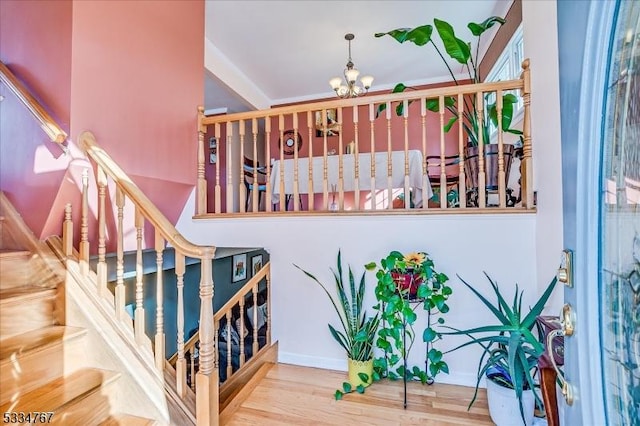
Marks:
<point>525,64</point>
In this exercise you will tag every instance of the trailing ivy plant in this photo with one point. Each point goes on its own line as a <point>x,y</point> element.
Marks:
<point>397,307</point>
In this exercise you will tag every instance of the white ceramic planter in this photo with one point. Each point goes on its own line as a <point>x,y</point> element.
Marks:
<point>504,408</point>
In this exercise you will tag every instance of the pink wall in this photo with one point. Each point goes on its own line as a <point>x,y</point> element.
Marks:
<point>35,43</point>
<point>129,71</point>
<point>137,80</point>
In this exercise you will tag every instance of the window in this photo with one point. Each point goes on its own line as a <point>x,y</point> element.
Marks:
<point>508,67</point>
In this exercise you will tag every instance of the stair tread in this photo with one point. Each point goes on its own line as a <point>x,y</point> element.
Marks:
<point>13,253</point>
<point>25,292</point>
<point>126,419</point>
<point>37,339</point>
<point>56,394</point>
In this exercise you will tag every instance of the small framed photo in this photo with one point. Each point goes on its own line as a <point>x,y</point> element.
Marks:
<point>331,127</point>
<point>239,267</point>
<point>256,264</point>
<point>213,143</point>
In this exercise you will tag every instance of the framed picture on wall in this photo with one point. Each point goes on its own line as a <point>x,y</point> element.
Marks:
<point>332,127</point>
<point>239,267</point>
<point>256,264</point>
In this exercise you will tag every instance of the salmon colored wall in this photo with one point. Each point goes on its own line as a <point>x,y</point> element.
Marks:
<point>129,71</point>
<point>35,43</point>
<point>137,80</point>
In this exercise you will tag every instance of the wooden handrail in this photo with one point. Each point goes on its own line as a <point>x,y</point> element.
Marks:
<point>87,142</point>
<point>47,123</point>
<point>220,313</point>
<point>370,99</point>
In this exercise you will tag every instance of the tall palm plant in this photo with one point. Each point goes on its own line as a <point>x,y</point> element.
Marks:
<point>460,51</point>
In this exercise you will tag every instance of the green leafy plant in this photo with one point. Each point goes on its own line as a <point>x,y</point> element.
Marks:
<point>460,51</point>
<point>358,331</point>
<point>397,304</point>
<point>510,349</point>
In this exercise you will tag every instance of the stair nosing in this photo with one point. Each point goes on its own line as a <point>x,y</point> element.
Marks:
<point>24,293</point>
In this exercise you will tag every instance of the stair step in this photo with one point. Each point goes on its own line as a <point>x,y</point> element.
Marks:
<point>15,268</point>
<point>39,302</point>
<point>125,419</point>
<point>29,360</point>
<point>78,398</point>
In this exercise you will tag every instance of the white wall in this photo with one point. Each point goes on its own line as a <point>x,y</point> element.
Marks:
<point>502,245</point>
<point>541,46</point>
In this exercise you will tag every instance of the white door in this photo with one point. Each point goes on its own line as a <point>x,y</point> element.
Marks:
<point>599,48</point>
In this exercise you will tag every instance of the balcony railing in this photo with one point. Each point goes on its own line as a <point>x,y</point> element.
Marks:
<point>408,151</point>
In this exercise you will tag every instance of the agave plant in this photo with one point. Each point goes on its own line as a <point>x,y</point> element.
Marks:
<point>358,330</point>
<point>510,349</point>
<point>460,51</point>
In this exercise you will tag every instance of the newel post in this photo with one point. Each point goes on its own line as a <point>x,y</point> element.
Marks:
<point>207,377</point>
<point>526,169</point>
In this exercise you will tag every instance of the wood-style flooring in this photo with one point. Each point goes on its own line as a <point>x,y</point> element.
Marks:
<point>292,395</point>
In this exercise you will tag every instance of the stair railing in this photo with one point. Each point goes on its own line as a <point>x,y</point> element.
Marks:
<point>206,379</point>
<point>47,123</point>
<point>252,300</point>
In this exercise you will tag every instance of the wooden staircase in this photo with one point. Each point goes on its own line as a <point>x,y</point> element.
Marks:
<point>44,364</point>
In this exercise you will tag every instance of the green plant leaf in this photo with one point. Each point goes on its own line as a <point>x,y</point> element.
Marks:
<point>478,29</point>
<point>346,386</point>
<point>338,395</point>
<point>457,49</point>
<point>364,377</point>
<point>420,35</point>
<point>370,266</point>
<point>360,389</point>
<point>429,334</point>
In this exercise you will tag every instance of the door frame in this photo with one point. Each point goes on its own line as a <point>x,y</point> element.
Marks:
<point>587,289</point>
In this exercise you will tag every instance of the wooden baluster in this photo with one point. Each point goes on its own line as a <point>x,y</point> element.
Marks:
<point>443,175</point>
<point>120,294</point>
<point>268,301</point>
<point>310,193</point>
<point>67,231</point>
<point>425,171</point>
<point>181,370</point>
<point>228,163</point>
<point>372,117</point>
<point>139,321</point>
<point>462,182</point>
<point>242,189</point>
<point>84,225</point>
<point>255,199</point>
<point>159,338</point>
<point>192,368</point>
<point>267,142</point>
<point>356,161</point>
<point>241,332</point>
<point>325,173</point>
<point>207,388</point>
<point>101,269</point>
<point>502,191</point>
<point>218,189</point>
<point>256,345</point>
<point>216,341</point>
<point>482,186</point>
<point>340,165</point>
<point>407,193</point>
<point>389,159</point>
<point>283,197</point>
<point>201,207</point>
<point>526,178</point>
<point>296,187</point>
<point>229,344</point>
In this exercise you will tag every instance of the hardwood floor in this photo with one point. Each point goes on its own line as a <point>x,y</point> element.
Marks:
<point>292,395</point>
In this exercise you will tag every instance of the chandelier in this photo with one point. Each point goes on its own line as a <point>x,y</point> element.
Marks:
<point>349,87</point>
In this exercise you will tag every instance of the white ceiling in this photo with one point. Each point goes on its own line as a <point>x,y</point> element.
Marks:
<point>286,51</point>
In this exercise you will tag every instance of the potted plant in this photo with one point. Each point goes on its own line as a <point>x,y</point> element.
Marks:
<point>357,332</point>
<point>510,354</point>
<point>406,282</point>
<point>460,51</point>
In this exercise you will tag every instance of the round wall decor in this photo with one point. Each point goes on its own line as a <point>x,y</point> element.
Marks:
<point>289,137</point>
